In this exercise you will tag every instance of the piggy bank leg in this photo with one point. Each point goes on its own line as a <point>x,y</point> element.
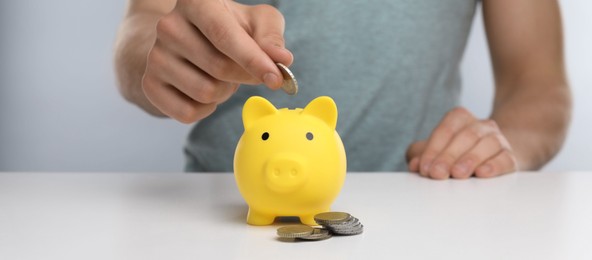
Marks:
<point>258,219</point>
<point>308,220</point>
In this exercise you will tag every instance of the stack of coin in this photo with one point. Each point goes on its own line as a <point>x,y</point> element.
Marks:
<point>303,232</point>
<point>333,223</point>
<point>340,223</point>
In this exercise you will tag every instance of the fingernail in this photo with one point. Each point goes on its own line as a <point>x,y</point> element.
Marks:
<point>425,168</point>
<point>271,80</point>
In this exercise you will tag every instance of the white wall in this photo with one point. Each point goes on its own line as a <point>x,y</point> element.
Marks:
<point>60,111</point>
<point>59,107</point>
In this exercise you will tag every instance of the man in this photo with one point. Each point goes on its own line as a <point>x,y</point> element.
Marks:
<point>391,66</point>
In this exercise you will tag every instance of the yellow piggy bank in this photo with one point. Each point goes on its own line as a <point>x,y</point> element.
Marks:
<point>289,162</point>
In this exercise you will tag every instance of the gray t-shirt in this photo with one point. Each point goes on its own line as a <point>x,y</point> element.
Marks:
<point>392,68</point>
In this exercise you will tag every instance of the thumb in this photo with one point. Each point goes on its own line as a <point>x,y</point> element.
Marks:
<point>268,24</point>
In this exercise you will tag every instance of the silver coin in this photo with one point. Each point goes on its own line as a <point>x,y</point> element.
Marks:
<point>350,230</point>
<point>332,217</point>
<point>318,234</point>
<point>350,223</point>
<point>340,223</point>
<point>344,228</point>
<point>290,85</point>
<point>354,231</point>
<point>294,231</point>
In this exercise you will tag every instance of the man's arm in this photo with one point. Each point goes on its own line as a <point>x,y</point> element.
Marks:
<point>532,103</point>
<point>532,99</point>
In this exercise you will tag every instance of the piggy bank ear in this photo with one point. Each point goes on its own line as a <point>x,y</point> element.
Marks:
<point>324,108</point>
<point>255,108</point>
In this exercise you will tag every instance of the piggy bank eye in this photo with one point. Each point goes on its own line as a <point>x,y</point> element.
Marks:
<point>265,136</point>
<point>309,136</point>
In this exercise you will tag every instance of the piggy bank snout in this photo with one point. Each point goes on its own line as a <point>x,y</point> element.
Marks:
<point>285,173</point>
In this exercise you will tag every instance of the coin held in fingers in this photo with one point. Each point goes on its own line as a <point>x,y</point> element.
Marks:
<point>290,85</point>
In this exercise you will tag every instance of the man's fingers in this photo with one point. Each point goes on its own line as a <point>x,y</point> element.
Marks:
<point>488,147</point>
<point>460,144</point>
<point>504,162</point>
<point>277,54</point>
<point>270,36</point>
<point>182,38</point>
<point>173,103</point>
<point>157,84</point>
<point>195,83</point>
<point>220,25</point>
<point>455,120</point>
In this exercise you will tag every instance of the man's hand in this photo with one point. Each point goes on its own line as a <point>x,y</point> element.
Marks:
<point>205,49</point>
<point>462,146</point>
<point>194,57</point>
<point>532,105</point>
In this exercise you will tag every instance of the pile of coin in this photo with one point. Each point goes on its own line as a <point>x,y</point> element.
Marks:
<point>340,223</point>
<point>290,85</point>
<point>303,232</point>
<point>333,223</point>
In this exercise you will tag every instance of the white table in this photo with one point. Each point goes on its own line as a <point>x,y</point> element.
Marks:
<point>202,216</point>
